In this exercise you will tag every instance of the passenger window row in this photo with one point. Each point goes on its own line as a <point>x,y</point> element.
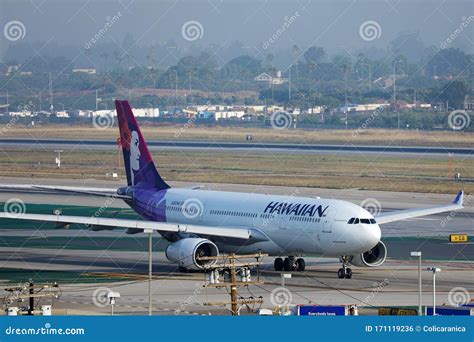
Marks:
<point>355,220</point>
<point>232,213</point>
<point>304,219</point>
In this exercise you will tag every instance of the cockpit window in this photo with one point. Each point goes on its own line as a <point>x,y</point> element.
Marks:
<point>355,220</point>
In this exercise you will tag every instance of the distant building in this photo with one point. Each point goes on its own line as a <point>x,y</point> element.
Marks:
<point>316,110</point>
<point>146,112</point>
<point>90,71</point>
<point>62,114</point>
<point>12,68</point>
<point>275,80</point>
<point>138,112</point>
<point>469,102</point>
<point>264,77</point>
<point>416,106</point>
<point>229,114</point>
<point>369,107</point>
<point>206,115</point>
<point>81,113</point>
<point>21,114</point>
<point>273,109</point>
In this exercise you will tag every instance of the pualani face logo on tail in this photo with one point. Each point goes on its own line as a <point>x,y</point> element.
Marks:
<point>130,141</point>
<point>134,154</point>
<point>296,209</point>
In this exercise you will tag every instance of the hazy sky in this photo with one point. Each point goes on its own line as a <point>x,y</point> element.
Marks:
<point>331,24</point>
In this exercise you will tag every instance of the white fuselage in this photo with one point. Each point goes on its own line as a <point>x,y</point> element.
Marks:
<point>293,225</point>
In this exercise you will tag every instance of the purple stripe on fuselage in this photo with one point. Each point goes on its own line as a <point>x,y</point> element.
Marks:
<point>150,204</point>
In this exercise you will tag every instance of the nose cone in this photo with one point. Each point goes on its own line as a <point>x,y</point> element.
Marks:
<point>372,235</point>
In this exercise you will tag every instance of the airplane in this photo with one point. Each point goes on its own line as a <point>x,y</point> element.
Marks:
<point>201,223</point>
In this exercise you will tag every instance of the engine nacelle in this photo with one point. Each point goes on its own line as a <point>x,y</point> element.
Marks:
<point>372,258</point>
<point>185,253</point>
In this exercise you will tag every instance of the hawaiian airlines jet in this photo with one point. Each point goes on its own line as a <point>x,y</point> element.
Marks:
<point>201,223</point>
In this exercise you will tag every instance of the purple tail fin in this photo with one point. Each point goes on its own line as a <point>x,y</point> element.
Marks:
<point>139,166</point>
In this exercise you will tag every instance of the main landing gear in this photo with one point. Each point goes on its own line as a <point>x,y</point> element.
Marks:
<point>345,271</point>
<point>289,264</point>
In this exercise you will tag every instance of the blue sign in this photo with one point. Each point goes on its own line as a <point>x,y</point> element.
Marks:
<point>322,310</point>
<point>233,329</point>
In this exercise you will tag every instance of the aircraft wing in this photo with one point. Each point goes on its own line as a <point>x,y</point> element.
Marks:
<point>63,189</point>
<point>238,233</point>
<point>412,213</point>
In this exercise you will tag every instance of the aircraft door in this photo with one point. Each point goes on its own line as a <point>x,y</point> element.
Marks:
<point>327,220</point>
<point>282,221</point>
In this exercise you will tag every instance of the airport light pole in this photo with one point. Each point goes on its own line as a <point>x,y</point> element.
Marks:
<point>418,255</point>
<point>395,90</point>
<point>370,74</point>
<point>150,268</point>
<point>283,277</point>
<point>434,270</point>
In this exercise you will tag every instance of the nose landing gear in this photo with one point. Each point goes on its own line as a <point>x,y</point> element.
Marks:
<point>289,264</point>
<point>345,271</point>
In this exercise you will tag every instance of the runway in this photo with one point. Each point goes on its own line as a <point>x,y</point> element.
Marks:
<point>416,151</point>
<point>393,284</point>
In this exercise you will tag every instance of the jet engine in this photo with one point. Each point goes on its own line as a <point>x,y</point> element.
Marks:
<point>372,258</point>
<point>186,252</point>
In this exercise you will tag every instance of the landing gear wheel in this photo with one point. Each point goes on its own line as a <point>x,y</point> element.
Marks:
<point>345,271</point>
<point>278,264</point>
<point>340,273</point>
<point>300,264</point>
<point>348,273</point>
<point>288,265</point>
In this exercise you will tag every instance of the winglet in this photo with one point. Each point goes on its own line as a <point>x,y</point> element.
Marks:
<point>459,198</point>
